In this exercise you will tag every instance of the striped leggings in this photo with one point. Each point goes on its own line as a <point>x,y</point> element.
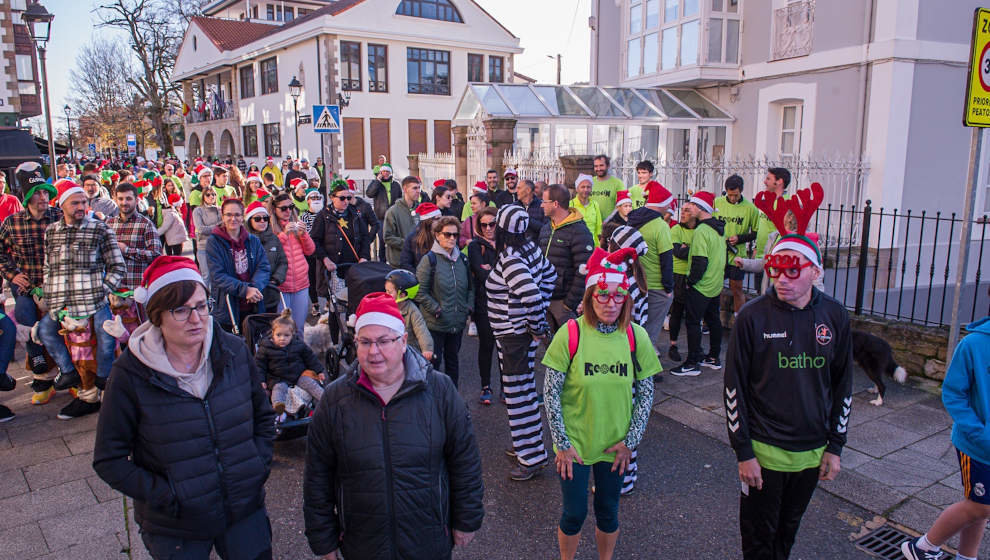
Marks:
<point>516,357</point>
<point>632,472</point>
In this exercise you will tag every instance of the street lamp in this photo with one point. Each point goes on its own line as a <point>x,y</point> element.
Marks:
<point>68,125</point>
<point>39,21</point>
<point>295,88</point>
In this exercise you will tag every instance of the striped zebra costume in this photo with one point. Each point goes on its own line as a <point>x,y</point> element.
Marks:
<point>519,289</point>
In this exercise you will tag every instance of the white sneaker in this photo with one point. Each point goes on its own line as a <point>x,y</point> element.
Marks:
<point>666,323</point>
<point>472,329</point>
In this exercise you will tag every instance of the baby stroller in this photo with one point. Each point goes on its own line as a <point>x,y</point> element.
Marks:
<point>300,407</point>
<point>360,279</point>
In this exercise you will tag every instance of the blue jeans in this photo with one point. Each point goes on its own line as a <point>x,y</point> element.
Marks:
<point>26,313</point>
<point>7,341</point>
<point>608,486</point>
<point>299,304</point>
<point>55,344</point>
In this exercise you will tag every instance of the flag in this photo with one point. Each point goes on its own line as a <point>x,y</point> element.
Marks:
<point>185,109</point>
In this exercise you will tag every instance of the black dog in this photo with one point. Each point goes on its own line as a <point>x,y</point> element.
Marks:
<point>874,355</point>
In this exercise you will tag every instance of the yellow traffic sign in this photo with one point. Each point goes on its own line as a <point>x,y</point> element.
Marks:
<point>977,106</point>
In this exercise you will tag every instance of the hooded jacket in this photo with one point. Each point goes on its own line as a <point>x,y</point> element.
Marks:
<point>224,281</point>
<point>399,221</point>
<point>659,270</point>
<point>384,195</point>
<point>392,481</point>
<point>567,246</point>
<point>205,218</point>
<point>966,392</point>
<point>193,466</point>
<point>276,256</point>
<point>446,293</point>
<point>285,364</point>
<point>706,257</point>
<point>296,250</point>
<point>788,375</point>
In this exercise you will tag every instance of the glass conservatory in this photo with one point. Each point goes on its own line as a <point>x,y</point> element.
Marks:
<point>638,123</point>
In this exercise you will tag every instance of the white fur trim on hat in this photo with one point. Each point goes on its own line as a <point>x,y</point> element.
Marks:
<point>143,295</point>
<point>662,203</point>
<point>69,192</point>
<point>206,170</point>
<point>610,277</point>
<point>256,210</point>
<point>701,204</point>
<point>794,245</point>
<point>386,320</point>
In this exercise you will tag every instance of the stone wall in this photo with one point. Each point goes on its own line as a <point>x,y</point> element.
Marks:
<point>919,350</point>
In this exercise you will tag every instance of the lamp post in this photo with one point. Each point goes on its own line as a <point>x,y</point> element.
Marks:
<point>39,21</point>
<point>68,125</point>
<point>295,88</point>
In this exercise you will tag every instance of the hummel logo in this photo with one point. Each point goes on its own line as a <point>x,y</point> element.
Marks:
<point>774,335</point>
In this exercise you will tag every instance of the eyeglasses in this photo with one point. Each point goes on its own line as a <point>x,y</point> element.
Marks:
<point>183,312</point>
<point>381,343</point>
<point>343,197</point>
<point>448,234</point>
<point>792,272</point>
<point>259,219</point>
<point>284,208</point>
<point>616,297</point>
<point>206,194</point>
<point>226,215</point>
<point>487,224</point>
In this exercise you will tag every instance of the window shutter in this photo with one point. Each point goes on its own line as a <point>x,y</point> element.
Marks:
<point>353,143</point>
<point>441,137</point>
<point>417,136</point>
<point>380,139</point>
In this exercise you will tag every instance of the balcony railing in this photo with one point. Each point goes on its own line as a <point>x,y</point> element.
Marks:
<point>211,114</point>
<point>793,26</point>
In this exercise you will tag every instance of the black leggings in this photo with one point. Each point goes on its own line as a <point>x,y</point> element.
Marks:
<point>769,518</point>
<point>486,345</point>
<point>677,307</point>
<point>170,249</point>
<point>697,307</point>
<point>446,346</point>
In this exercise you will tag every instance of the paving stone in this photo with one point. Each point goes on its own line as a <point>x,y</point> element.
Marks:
<point>920,419</point>
<point>906,471</point>
<point>877,439</point>
<point>863,411</point>
<point>4,440</point>
<point>851,459</point>
<point>34,506</point>
<point>953,481</point>
<point>900,396</point>
<point>862,491</point>
<point>712,425</point>
<point>939,495</point>
<point>22,542</point>
<point>102,490</point>
<point>81,442</point>
<point>74,467</point>
<point>915,514</point>
<point>12,483</point>
<point>938,446</point>
<point>676,386</point>
<point>85,525</point>
<point>708,397</point>
<point>32,454</point>
<point>22,435</point>
<point>106,546</point>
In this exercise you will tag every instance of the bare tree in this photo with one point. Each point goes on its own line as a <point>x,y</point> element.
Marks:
<point>100,78</point>
<point>187,9</point>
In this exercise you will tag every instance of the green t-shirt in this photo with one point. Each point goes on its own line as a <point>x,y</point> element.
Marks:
<point>763,230</point>
<point>708,243</point>
<point>782,460</point>
<point>597,397</point>
<point>656,233</point>
<point>592,216</point>
<point>637,196</point>
<point>466,212</point>
<point>603,192</point>
<point>684,236</point>
<point>196,195</point>
<point>739,218</point>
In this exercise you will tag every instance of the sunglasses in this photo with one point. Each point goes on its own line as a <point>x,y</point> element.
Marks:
<point>448,234</point>
<point>259,219</point>
<point>343,197</point>
<point>283,208</point>
<point>487,224</point>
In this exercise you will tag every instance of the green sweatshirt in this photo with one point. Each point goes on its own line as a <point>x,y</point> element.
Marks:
<point>603,192</point>
<point>656,233</point>
<point>592,216</point>
<point>684,236</point>
<point>740,219</point>
<point>709,244</point>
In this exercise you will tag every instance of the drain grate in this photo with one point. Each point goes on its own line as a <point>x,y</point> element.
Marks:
<point>884,542</point>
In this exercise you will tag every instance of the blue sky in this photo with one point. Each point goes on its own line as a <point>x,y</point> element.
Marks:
<point>545,28</point>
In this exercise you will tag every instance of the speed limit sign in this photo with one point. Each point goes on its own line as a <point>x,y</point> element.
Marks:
<point>977,106</point>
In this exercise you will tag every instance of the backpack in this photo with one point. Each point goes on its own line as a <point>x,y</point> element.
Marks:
<point>574,338</point>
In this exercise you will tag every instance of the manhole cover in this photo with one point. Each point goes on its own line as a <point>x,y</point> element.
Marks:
<point>884,542</point>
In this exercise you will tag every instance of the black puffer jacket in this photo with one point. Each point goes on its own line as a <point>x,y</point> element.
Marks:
<point>345,243</point>
<point>193,467</point>
<point>285,364</point>
<point>570,246</point>
<point>392,482</point>
<point>383,195</point>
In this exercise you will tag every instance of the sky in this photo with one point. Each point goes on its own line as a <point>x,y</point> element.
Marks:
<point>544,27</point>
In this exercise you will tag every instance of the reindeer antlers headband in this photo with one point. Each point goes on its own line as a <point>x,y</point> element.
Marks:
<point>803,204</point>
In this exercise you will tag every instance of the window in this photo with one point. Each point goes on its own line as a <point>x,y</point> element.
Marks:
<point>381,140</point>
<point>25,67</point>
<point>633,59</point>
<point>247,81</point>
<point>273,140</point>
<point>378,68</point>
<point>417,136</point>
<point>790,130</point>
<point>428,71</point>
<point>689,43</point>
<point>476,64</point>
<point>353,130</point>
<point>269,76</point>
<point>270,13</point>
<point>250,140</point>
<point>302,11</point>
<point>723,33</point>
<point>441,10</point>
<point>350,66</point>
<point>441,137</point>
<point>495,69</point>
<point>194,42</point>
<point>288,15</point>
<point>642,47</point>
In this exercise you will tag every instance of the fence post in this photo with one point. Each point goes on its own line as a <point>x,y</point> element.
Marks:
<point>864,257</point>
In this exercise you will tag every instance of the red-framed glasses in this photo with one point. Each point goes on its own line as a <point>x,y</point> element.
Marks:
<point>604,296</point>
<point>787,265</point>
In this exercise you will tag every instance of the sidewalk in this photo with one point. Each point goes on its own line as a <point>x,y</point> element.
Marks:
<point>898,463</point>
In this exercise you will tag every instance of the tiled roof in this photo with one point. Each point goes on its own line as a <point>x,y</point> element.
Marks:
<point>229,34</point>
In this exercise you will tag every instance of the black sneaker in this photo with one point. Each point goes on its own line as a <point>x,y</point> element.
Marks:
<point>6,415</point>
<point>77,408</point>
<point>522,472</point>
<point>64,380</point>
<point>39,364</point>
<point>911,551</point>
<point>674,353</point>
<point>510,452</point>
<point>7,383</point>
<point>705,329</point>
<point>687,369</point>
<point>711,363</point>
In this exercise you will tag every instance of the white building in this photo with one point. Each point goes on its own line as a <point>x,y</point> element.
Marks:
<point>397,65</point>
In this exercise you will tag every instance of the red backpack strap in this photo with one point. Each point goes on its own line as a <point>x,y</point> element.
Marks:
<point>632,348</point>
<point>573,337</point>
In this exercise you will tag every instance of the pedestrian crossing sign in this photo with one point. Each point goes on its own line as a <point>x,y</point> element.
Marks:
<point>326,119</point>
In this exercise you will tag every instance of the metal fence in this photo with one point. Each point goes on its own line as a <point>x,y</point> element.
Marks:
<point>536,168</point>
<point>435,166</point>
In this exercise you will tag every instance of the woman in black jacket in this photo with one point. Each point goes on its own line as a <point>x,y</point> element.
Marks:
<point>481,258</point>
<point>258,223</point>
<point>186,430</point>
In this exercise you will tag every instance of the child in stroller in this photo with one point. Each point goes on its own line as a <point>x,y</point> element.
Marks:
<point>293,372</point>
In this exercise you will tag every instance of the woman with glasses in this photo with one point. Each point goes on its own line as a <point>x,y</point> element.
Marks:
<point>258,223</point>
<point>420,240</point>
<point>297,245</point>
<point>187,430</point>
<point>598,397</point>
<point>339,233</point>
<point>444,198</point>
<point>469,227</point>
<point>239,269</point>
<point>481,257</point>
<point>205,217</point>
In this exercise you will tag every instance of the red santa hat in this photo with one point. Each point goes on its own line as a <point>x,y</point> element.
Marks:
<point>379,308</point>
<point>604,268</point>
<point>174,198</point>
<point>297,182</point>
<point>427,210</point>
<point>66,188</point>
<point>269,159</point>
<point>262,194</point>
<point>658,195</point>
<point>165,270</point>
<point>253,176</point>
<point>254,209</point>
<point>704,200</point>
<point>352,186</point>
<point>203,170</point>
<point>439,183</point>
<point>622,197</point>
<point>480,187</point>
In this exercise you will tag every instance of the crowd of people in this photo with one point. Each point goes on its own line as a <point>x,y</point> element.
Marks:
<point>110,310</point>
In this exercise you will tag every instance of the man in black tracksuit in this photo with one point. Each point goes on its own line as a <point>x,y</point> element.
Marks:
<point>788,393</point>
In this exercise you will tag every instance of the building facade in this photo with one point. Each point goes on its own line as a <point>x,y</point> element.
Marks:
<point>20,87</point>
<point>396,67</point>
